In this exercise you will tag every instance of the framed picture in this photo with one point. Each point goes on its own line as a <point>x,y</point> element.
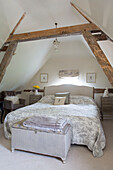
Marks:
<point>91,77</point>
<point>43,77</point>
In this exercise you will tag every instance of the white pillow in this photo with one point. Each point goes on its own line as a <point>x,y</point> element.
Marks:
<point>14,99</point>
<point>64,94</point>
<point>59,100</point>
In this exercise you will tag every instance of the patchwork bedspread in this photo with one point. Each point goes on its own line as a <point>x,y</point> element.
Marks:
<point>84,118</point>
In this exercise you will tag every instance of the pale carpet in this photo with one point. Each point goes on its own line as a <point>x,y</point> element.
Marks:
<point>79,157</point>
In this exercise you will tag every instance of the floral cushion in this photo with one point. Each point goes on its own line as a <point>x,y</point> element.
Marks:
<point>81,100</point>
<point>49,99</point>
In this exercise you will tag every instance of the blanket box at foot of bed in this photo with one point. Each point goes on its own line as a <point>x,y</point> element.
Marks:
<point>52,144</point>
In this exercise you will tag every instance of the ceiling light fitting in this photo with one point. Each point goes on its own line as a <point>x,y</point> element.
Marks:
<point>56,42</point>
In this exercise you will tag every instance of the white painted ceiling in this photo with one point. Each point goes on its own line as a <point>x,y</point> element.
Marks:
<point>40,15</point>
<point>99,11</point>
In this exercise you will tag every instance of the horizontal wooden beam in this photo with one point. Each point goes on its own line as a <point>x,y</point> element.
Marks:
<point>33,90</point>
<point>100,56</point>
<point>51,33</point>
<point>96,31</point>
<point>97,90</point>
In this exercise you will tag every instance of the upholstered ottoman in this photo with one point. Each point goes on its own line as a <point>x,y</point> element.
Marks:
<point>38,141</point>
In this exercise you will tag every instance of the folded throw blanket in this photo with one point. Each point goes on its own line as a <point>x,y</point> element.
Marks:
<point>43,123</point>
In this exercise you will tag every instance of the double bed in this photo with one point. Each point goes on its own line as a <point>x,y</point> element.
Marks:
<point>82,113</point>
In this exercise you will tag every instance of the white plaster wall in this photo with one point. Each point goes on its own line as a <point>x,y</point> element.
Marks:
<point>28,59</point>
<point>73,53</point>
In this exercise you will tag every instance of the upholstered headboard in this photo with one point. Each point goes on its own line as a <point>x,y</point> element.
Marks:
<point>73,89</point>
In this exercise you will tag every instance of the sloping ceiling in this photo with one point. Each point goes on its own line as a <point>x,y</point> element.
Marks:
<point>99,11</point>
<point>40,15</point>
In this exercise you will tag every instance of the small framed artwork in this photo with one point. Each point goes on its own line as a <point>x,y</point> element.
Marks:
<point>91,77</point>
<point>43,77</point>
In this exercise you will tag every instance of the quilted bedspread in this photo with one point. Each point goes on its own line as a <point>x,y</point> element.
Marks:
<point>83,116</point>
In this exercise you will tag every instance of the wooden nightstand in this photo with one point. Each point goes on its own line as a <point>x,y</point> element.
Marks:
<point>2,110</point>
<point>107,107</point>
<point>34,98</point>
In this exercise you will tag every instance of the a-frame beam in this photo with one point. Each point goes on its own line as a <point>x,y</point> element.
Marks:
<point>97,51</point>
<point>100,56</point>
<point>7,58</point>
<point>18,23</point>
<point>81,13</point>
<point>107,37</point>
<point>51,33</point>
<point>4,47</point>
<point>100,37</point>
<point>9,51</point>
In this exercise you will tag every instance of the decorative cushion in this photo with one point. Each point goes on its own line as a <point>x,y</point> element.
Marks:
<point>48,99</point>
<point>14,99</point>
<point>59,100</point>
<point>65,94</point>
<point>81,100</point>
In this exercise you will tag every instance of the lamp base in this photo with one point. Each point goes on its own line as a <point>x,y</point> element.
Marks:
<point>36,91</point>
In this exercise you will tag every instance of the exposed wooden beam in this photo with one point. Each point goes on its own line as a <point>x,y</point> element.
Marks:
<point>96,90</point>
<point>18,23</point>
<point>100,37</point>
<point>96,31</point>
<point>89,20</point>
<point>29,90</point>
<point>81,12</point>
<point>103,33</point>
<point>7,58</point>
<point>51,33</point>
<point>3,49</point>
<point>100,56</point>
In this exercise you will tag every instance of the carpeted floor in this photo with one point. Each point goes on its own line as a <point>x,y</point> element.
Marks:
<point>79,157</point>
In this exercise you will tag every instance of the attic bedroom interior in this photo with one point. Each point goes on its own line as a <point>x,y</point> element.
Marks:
<point>56,84</point>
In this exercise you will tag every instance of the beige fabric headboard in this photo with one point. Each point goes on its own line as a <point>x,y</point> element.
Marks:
<point>73,89</point>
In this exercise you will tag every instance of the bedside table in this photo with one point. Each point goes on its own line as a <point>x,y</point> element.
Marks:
<point>34,98</point>
<point>2,110</point>
<point>107,107</point>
